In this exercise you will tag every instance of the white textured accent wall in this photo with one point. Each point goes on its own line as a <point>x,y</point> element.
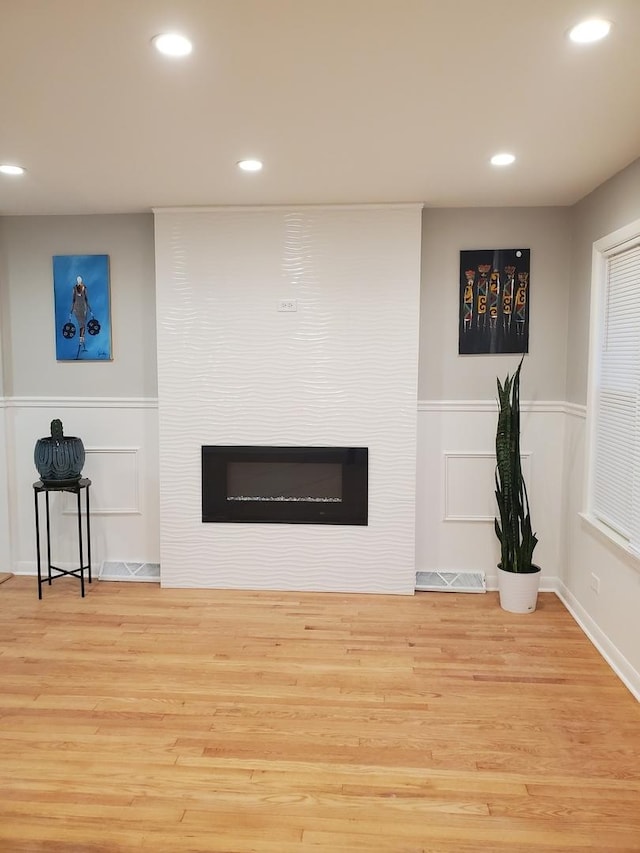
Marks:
<point>341,370</point>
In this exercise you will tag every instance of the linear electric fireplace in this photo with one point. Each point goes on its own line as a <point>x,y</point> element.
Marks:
<point>285,485</point>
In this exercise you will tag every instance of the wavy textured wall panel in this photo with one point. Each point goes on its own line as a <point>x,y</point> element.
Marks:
<point>341,370</point>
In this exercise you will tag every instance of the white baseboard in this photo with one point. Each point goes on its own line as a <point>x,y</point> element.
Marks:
<point>629,676</point>
<point>25,568</point>
<point>30,568</point>
<point>613,656</point>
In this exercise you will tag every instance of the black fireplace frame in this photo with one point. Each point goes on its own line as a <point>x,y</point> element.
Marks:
<point>351,510</point>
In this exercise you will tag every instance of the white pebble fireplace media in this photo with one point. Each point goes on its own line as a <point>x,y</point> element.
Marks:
<point>290,390</point>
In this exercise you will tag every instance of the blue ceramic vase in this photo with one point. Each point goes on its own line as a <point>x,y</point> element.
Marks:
<point>59,458</point>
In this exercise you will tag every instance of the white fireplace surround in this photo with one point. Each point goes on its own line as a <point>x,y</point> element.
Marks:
<point>341,370</point>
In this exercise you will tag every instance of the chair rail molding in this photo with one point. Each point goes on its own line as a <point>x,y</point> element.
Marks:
<point>543,406</point>
<point>81,402</point>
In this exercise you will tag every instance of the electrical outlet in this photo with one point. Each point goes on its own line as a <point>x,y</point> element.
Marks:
<point>287,305</point>
<point>595,583</point>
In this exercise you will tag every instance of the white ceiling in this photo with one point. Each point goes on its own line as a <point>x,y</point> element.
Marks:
<point>344,100</point>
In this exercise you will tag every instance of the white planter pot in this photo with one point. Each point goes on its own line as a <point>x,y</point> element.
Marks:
<point>518,591</point>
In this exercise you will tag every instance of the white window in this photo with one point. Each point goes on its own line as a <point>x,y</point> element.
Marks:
<point>614,388</point>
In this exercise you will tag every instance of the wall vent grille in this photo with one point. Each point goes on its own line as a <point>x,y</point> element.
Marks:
<point>120,571</point>
<point>451,582</point>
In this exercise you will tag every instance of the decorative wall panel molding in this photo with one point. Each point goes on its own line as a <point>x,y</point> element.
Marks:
<point>469,485</point>
<point>115,477</point>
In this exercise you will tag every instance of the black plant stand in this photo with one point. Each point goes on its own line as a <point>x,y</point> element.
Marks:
<point>76,489</point>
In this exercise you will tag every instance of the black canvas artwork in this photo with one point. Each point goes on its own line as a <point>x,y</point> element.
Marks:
<point>494,301</point>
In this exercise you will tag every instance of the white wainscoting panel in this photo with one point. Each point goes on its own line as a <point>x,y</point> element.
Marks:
<point>455,504</point>
<point>340,371</point>
<point>121,437</point>
<point>611,616</point>
<point>469,484</point>
<point>5,457</point>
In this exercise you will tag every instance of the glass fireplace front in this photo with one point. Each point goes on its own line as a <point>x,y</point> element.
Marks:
<point>286,485</point>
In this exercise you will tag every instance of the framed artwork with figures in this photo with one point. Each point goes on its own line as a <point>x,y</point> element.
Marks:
<point>82,307</point>
<point>494,301</point>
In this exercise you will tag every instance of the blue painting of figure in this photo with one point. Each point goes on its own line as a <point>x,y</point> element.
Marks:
<point>82,307</point>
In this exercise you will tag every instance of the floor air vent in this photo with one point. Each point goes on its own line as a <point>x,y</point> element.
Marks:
<point>451,582</point>
<point>120,571</point>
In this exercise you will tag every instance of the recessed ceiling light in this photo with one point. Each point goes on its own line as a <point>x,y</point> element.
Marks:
<point>250,165</point>
<point>8,169</point>
<point>172,44</point>
<point>502,159</point>
<point>588,31</point>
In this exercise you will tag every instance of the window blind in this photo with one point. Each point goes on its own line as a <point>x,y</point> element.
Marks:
<point>616,482</point>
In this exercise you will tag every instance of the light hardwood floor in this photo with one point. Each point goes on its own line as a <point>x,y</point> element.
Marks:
<point>202,720</point>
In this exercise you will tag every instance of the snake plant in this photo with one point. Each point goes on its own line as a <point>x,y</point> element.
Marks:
<point>517,541</point>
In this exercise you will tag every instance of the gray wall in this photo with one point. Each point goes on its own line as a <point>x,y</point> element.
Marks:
<point>5,450</point>
<point>4,291</point>
<point>445,375</point>
<point>612,205</point>
<point>27,245</point>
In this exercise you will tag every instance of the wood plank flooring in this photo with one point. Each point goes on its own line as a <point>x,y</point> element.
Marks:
<point>143,719</point>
